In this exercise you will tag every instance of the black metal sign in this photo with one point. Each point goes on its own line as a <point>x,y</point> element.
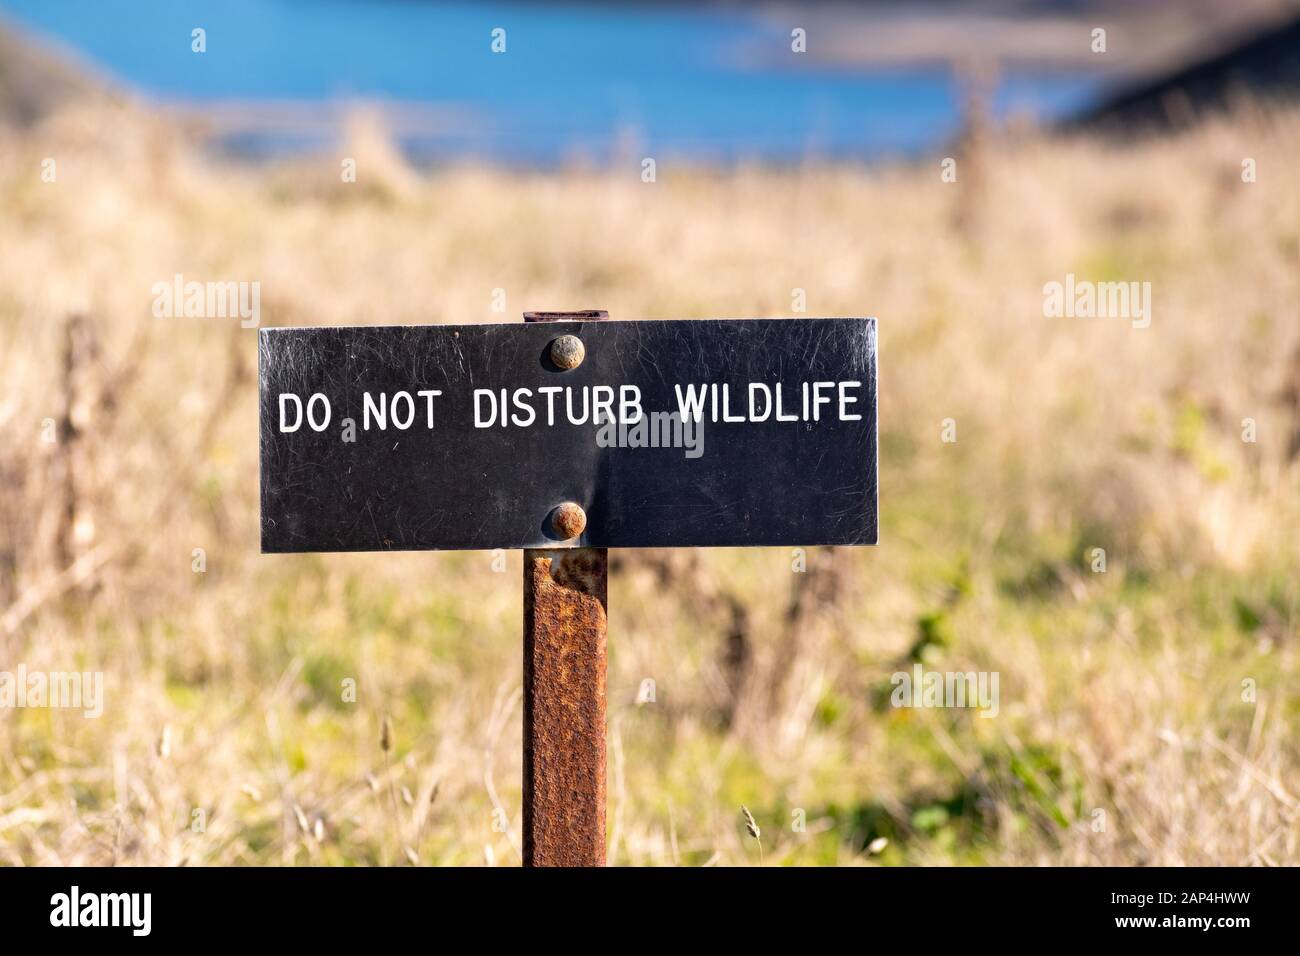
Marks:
<point>656,434</point>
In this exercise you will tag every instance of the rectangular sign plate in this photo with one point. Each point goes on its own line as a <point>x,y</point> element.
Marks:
<point>710,433</point>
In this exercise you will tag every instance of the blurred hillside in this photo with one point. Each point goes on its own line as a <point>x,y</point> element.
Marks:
<point>1146,38</point>
<point>1148,711</point>
<point>34,81</point>
<point>595,83</point>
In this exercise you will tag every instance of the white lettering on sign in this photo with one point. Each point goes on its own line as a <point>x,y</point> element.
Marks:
<point>763,400</point>
<point>591,403</point>
<point>594,404</point>
<point>297,403</point>
<point>312,413</point>
<point>378,411</point>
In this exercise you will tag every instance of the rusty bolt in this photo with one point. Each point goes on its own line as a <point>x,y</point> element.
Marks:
<point>567,352</point>
<point>569,520</point>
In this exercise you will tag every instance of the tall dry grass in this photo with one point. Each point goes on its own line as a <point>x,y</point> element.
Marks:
<point>1122,735</point>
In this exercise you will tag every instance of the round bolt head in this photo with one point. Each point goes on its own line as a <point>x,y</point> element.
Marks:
<point>567,352</point>
<point>569,520</point>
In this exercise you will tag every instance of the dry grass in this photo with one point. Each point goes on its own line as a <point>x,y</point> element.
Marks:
<point>1121,693</point>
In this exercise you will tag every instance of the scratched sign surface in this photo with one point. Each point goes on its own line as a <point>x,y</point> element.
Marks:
<point>669,434</point>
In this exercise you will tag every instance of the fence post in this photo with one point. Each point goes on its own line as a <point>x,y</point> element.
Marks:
<point>565,620</point>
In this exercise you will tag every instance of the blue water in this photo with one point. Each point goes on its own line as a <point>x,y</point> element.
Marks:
<point>575,80</point>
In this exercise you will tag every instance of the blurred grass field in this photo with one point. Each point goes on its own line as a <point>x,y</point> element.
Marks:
<point>1149,714</point>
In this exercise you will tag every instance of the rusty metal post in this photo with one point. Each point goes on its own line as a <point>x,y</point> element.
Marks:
<point>565,608</point>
